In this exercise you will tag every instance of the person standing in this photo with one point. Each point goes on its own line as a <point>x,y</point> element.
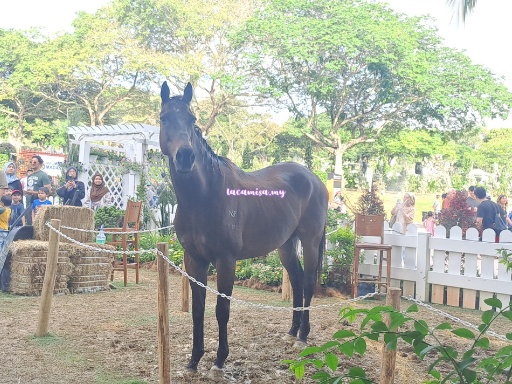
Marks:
<point>4,186</point>
<point>17,209</point>
<point>487,211</point>
<point>73,190</point>
<point>42,199</point>
<point>405,211</point>
<point>99,195</point>
<point>471,201</point>
<point>23,180</point>
<point>503,203</point>
<point>10,175</point>
<point>37,179</point>
<point>436,208</point>
<point>429,224</point>
<point>449,197</point>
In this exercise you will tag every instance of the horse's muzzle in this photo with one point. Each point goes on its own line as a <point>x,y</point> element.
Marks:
<point>184,160</point>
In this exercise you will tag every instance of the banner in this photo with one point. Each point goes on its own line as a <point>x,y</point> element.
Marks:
<point>51,164</point>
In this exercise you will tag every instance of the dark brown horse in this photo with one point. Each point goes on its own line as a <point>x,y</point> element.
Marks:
<point>225,214</point>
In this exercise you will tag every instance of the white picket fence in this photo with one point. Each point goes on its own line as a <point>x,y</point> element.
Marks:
<point>444,270</point>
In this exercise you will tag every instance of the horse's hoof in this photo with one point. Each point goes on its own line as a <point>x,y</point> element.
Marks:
<point>289,338</point>
<point>216,371</point>
<point>299,344</point>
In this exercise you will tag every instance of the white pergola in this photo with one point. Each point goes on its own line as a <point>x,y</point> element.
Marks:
<point>134,139</point>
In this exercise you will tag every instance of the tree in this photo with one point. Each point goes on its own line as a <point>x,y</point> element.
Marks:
<point>462,8</point>
<point>22,76</point>
<point>366,67</point>
<point>187,40</point>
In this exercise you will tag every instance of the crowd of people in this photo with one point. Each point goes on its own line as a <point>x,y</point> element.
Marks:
<point>35,186</point>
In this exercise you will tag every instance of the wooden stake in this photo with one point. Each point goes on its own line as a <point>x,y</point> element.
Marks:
<point>164,358</point>
<point>185,286</point>
<point>286,287</point>
<point>49,280</point>
<point>387,368</point>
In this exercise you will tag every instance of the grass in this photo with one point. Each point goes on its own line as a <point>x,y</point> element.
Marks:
<point>424,202</point>
<point>45,341</point>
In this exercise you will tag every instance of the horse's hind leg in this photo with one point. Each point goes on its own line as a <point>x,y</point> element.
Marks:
<point>289,259</point>
<point>197,269</point>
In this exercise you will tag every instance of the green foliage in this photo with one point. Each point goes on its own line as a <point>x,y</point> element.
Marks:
<point>247,158</point>
<point>321,175</point>
<point>7,149</point>
<point>150,241</point>
<point>506,258</point>
<point>267,270</point>
<point>337,272</point>
<point>110,216</point>
<point>308,156</point>
<point>465,367</point>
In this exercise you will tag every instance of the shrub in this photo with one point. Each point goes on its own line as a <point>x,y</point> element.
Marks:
<point>458,214</point>
<point>369,203</point>
<point>110,216</point>
<point>472,366</point>
<point>336,272</point>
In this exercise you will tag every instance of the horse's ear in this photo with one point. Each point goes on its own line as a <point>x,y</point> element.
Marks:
<point>187,95</point>
<point>165,92</point>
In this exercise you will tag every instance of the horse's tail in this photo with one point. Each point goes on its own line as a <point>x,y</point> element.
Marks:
<point>321,250</point>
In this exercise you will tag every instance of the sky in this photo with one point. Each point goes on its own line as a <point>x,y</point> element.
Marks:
<point>485,35</point>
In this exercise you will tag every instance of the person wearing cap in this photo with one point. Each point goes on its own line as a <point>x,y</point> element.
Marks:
<point>42,199</point>
<point>17,209</point>
<point>73,190</point>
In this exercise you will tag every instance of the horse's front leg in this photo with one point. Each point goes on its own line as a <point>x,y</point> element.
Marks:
<point>198,269</point>
<point>225,279</point>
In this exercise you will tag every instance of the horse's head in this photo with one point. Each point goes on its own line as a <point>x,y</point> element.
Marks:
<point>177,129</point>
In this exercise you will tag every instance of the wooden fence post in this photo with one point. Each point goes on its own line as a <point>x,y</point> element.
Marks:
<point>185,286</point>
<point>286,286</point>
<point>387,367</point>
<point>164,358</point>
<point>49,280</point>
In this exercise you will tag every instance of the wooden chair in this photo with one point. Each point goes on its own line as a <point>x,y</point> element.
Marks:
<point>372,225</point>
<point>132,215</point>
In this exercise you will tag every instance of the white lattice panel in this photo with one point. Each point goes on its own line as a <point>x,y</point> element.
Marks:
<point>155,168</point>
<point>113,177</point>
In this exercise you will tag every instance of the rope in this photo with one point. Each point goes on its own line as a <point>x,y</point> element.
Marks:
<point>116,233</point>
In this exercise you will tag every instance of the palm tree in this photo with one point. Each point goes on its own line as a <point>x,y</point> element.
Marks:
<point>462,7</point>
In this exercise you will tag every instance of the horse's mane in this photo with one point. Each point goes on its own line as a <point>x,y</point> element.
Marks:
<point>211,157</point>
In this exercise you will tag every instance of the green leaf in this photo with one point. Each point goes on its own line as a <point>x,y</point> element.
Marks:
<point>379,326</point>
<point>424,352</point>
<point>509,336</point>
<point>373,336</point>
<point>342,334</point>
<point>318,363</point>
<point>419,346</point>
<point>507,314</point>
<point>397,320</point>
<point>328,345</point>
<point>492,302</point>
<point>436,374</point>
<point>468,354</point>
<point>482,343</point>
<point>463,332</point>
<point>487,316</point>
<point>331,360</point>
<point>431,366</point>
<point>412,308</point>
<point>299,371</point>
<point>320,375</point>
<point>421,326</point>
<point>444,326</point>
<point>360,346</point>
<point>469,375</point>
<point>347,348</point>
<point>357,372</point>
<point>466,363</point>
<point>309,351</point>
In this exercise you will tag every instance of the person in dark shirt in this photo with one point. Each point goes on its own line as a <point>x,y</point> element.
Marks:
<point>486,212</point>
<point>17,209</point>
<point>73,190</point>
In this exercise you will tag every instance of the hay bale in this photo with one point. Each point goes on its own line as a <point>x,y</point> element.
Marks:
<point>75,217</point>
<point>28,266</point>
<point>91,268</point>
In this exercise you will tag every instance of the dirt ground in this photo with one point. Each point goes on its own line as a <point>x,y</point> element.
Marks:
<point>111,337</point>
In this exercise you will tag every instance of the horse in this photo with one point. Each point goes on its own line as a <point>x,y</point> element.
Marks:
<point>225,214</point>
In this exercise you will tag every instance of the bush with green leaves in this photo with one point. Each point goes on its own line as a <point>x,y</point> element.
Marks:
<point>336,272</point>
<point>110,216</point>
<point>465,367</point>
<point>267,270</point>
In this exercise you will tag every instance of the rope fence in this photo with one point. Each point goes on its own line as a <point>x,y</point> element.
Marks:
<point>263,306</point>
